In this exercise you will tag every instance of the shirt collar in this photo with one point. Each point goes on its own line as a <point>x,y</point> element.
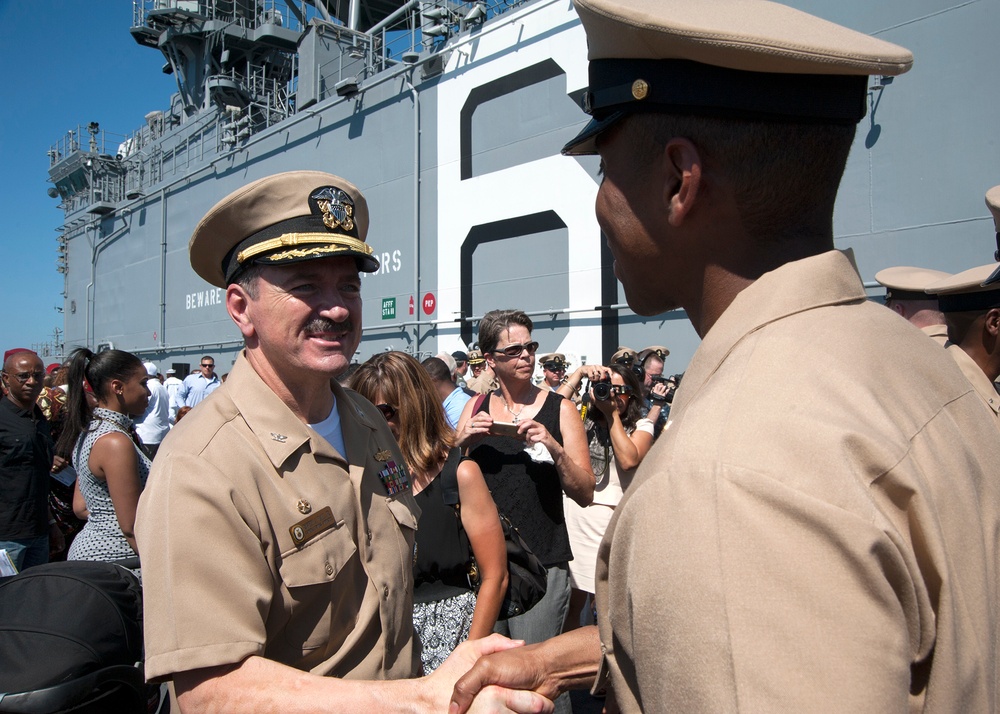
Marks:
<point>830,278</point>
<point>280,432</point>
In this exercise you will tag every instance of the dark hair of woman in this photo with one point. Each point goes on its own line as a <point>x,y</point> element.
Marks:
<point>633,412</point>
<point>400,381</point>
<point>98,370</point>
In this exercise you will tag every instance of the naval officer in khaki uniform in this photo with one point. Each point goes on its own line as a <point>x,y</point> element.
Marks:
<point>972,310</point>
<point>906,295</point>
<point>277,528</point>
<point>816,529</point>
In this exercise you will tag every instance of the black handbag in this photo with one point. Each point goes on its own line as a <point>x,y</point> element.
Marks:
<point>526,576</point>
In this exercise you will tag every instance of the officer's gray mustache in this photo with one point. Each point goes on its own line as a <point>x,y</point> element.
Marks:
<point>322,324</point>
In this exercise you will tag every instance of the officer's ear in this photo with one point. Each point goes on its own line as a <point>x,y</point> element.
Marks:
<point>238,306</point>
<point>682,164</point>
<point>992,322</point>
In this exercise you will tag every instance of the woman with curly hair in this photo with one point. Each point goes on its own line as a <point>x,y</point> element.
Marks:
<point>446,610</point>
<point>619,438</point>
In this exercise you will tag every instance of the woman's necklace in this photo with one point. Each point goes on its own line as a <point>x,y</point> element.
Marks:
<point>515,414</point>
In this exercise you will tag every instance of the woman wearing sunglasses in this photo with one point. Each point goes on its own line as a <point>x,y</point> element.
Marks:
<point>446,611</point>
<point>531,447</point>
<point>619,438</point>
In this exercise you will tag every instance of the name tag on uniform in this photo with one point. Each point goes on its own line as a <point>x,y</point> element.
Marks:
<point>308,528</point>
<point>394,478</point>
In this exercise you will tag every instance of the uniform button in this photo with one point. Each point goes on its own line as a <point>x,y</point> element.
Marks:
<point>329,569</point>
<point>385,592</point>
<point>368,535</point>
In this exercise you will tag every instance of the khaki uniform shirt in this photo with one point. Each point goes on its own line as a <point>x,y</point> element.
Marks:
<point>985,388</point>
<point>223,576</point>
<point>485,383</point>
<point>816,529</point>
<point>938,333</point>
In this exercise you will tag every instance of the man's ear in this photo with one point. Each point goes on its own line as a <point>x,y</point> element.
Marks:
<point>682,165</point>
<point>992,322</point>
<point>238,305</point>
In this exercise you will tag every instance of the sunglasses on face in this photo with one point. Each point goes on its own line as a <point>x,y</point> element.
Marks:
<point>516,349</point>
<point>23,377</point>
<point>554,367</point>
<point>388,411</point>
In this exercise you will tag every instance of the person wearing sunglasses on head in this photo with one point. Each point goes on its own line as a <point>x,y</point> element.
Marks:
<point>446,609</point>
<point>531,447</point>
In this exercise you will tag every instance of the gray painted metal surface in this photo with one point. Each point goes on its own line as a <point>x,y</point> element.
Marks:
<point>458,154</point>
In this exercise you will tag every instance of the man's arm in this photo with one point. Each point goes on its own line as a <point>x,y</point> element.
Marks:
<point>261,686</point>
<point>566,662</point>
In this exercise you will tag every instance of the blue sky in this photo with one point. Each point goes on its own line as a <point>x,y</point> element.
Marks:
<point>65,63</point>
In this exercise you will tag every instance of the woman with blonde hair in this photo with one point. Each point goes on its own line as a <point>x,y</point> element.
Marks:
<point>446,610</point>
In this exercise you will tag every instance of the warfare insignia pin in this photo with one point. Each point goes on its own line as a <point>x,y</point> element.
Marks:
<point>336,206</point>
<point>280,438</point>
<point>383,455</point>
<point>394,478</point>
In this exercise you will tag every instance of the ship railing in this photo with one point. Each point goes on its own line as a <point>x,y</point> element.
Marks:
<point>250,14</point>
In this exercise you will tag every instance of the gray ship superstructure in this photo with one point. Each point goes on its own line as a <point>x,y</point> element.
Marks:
<point>449,117</point>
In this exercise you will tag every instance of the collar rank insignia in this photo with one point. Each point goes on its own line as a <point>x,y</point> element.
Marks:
<point>394,478</point>
<point>337,208</point>
<point>280,438</point>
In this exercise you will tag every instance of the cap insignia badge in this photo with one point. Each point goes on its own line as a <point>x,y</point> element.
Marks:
<point>336,206</point>
<point>640,89</point>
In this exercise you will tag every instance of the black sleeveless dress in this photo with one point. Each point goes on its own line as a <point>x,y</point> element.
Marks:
<point>527,492</point>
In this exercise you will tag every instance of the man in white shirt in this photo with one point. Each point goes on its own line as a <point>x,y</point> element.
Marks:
<point>155,423</point>
<point>173,386</point>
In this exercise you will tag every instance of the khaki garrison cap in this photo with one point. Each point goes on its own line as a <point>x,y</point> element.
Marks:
<point>907,283</point>
<point>285,218</point>
<point>966,291</point>
<point>726,58</point>
<point>476,357</point>
<point>553,360</point>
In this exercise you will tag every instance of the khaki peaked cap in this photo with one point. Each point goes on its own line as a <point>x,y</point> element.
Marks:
<point>993,203</point>
<point>967,291</point>
<point>556,359</point>
<point>476,357</point>
<point>731,58</point>
<point>284,218</point>
<point>908,283</point>
<point>624,355</point>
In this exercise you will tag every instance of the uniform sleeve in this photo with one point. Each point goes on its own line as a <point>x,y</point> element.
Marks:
<point>206,583</point>
<point>731,591</point>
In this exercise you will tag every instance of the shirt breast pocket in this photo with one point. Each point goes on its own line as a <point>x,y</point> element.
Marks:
<point>310,576</point>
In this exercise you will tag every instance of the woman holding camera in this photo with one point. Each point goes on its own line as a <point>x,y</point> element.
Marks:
<point>619,439</point>
<point>531,447</point>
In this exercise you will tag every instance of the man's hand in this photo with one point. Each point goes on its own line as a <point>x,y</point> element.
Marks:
<point>549,668</point>
<point>490,698</point>
<point>511,669</point>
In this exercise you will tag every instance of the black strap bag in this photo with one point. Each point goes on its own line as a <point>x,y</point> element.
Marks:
<point>526,576</point>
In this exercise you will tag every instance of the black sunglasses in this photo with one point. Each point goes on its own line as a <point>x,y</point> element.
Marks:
<point>516,349</point>
<point>388,411</point>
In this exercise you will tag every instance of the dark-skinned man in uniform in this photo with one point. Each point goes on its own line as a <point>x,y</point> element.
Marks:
<point>816,529</point>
